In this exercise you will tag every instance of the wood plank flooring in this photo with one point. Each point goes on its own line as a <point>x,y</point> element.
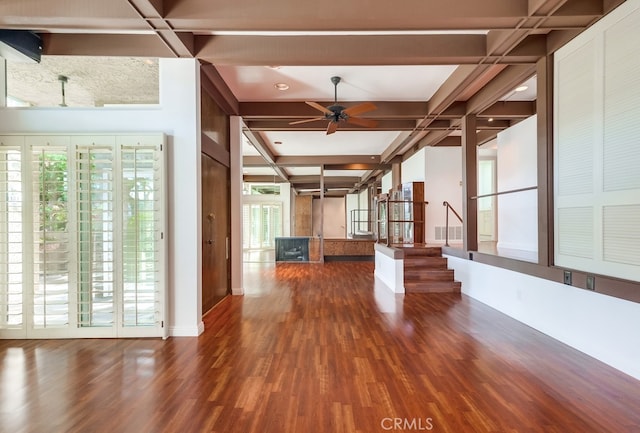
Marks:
<point>316,348</point>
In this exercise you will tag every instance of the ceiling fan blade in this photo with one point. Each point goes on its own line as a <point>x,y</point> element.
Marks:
<point>359,109</point>
<point>333,126</point>
<point>319,107</point>
<point>298,122</point>
<point>367,123</point>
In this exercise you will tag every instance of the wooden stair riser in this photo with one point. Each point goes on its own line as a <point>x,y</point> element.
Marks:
<point>425,271</point>
<point>425,262</point>
<point>429,275</point>
<point>433,287</point>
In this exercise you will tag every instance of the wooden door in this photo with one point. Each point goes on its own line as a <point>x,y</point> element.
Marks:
<point>215,232</point>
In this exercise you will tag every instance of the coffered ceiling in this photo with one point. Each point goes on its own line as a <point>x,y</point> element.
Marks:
<point>423,63</point>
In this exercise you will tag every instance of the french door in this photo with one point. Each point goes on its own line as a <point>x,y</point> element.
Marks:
<point>262,223</point>
<point>82,236</point>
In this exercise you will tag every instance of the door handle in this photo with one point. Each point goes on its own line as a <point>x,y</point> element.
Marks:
<point>210,242</point>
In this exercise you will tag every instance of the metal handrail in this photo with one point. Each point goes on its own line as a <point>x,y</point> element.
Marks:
<point>356,213</point>
<point>504,192</point>
<point>446,228</point>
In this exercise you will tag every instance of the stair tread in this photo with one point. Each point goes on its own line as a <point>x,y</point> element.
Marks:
<point>433,287</point>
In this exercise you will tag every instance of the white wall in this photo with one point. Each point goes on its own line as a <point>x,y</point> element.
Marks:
<point>352,204</point>
<point>443,177</point>
<point>518,212</point>
<point>595,324</point>
<point>363,204</point>
<point>386,183</point>
<point>334,219</point>
<point>178,117</point>
<point>235,201</point>
<point>412,169</point>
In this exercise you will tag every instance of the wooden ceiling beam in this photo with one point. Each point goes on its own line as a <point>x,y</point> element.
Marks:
<point>509,110</point>
<point>300,110</point>
<point>94,44</point>
<point>215,86</point>
<point>321,125</point>
<point>326,160</point>
<point>267,154</point>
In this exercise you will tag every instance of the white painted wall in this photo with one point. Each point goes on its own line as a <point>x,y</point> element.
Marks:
<point>595,324</point>
<point>389,271</point>
<point>352,204</point>
<point>235,201</point>
<point>386,183</point>
<point>443,177</point>
<point>363,204</point>
<point>333,222</point>
<point>412,169</point>
<point>518,212</point>
<point>178,117</point>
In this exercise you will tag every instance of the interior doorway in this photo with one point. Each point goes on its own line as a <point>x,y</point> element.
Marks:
<point>487,206</point>
<point>215,232</point>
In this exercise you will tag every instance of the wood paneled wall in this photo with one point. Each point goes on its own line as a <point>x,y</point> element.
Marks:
<point>303,213</point>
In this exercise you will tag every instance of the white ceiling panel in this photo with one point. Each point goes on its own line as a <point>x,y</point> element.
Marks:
<point>259,171</point>
<point>340,143</point>
<point>313,83</point>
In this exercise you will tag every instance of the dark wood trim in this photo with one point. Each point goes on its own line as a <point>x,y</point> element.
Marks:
<point>211,82</point>
<point>215,151</point>
<point>545,160</point>
<point>469,182</point>
<point>604,285</point>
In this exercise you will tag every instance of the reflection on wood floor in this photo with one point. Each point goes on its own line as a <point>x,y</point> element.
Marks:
<point>319,348</point>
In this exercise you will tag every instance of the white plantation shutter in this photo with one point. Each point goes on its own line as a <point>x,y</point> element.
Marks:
<point>141,213</point>
<point>596,145</point>
<point>11,242</point>
<point>96,260</point>
<point>82,236</point>
<point>52,252</point>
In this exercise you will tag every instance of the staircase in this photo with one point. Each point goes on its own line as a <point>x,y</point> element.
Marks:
<point>425,271</point>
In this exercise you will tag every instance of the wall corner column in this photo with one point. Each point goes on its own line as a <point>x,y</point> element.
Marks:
<point>469,183</point>
<point>235,169</point>
<point>544,110</point>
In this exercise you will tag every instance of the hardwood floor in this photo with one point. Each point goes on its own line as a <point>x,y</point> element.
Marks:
<point>316,348</point>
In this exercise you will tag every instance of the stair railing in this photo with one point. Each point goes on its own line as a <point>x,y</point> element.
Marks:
<point>446,228</point>
<point>387,202</point>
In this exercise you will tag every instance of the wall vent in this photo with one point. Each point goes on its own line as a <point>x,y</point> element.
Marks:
<point>455,233</point>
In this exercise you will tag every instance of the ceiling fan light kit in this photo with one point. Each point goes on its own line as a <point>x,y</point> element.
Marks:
<point>336,113</point>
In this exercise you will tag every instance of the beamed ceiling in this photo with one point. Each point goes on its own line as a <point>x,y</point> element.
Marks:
<point>424,63</point>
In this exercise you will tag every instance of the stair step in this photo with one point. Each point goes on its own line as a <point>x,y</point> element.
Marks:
<point>428,275</point>
<point>421,262</point>
<point>433,287</point>
<point>422,251</point>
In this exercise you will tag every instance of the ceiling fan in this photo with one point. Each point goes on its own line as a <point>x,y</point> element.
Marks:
<point>337,113</point>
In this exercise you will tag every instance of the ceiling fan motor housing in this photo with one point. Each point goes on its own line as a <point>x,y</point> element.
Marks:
<point>337,115</point>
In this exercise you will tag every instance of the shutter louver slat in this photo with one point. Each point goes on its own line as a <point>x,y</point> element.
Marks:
<point>621,153</point>
<point>622,234</point>
<point>11,248</point>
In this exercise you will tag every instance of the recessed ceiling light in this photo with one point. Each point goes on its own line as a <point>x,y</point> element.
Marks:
<point>281,86</point>
<point>521,88</point>
<point>490,119</point>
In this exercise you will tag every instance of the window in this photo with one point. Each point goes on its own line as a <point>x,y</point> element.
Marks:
<point>81,236</point>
